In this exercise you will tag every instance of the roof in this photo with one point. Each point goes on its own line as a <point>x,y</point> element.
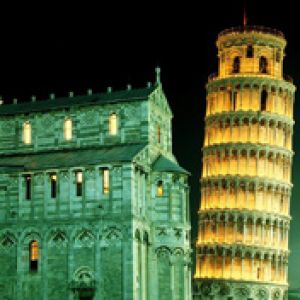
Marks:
<point>163,164</point>
<point>81,100</point>
<point>252,28</point>
<point>71,158</point>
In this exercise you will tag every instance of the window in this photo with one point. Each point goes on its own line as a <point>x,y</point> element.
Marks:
<point>79,180</point>
<point>105,181</point>
<point>263,100</point>
<point>234,99</point>
<point>113,124</point>
<point>33,256</point>
<point>27,186</point>
<point>236,65</point>
<point>53,180</point>
<point>68,129</point>
<point>281,202</point>
<point>27,133</point>
<point>159,189</point>
<point>250,51</point>
<point>158,134</point>
<point>263,65</point>
<point>258,273</point>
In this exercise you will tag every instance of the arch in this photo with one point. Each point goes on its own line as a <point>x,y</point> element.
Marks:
<point>250,51</point>
<point>178,252</point>
<point>146,239</point>
<point>112,233</point>
<point>263,100</point>
<point>84,237</point>
<point>236,65</point>
<point>84,280</point>
<point>263,65</point>
<point>234,101</point>
<point>83,272</point>
<point>57,238</point>
<point>163,252</point>
<point>8,240</point>
<point>29,234</point>
<point>137,235</point>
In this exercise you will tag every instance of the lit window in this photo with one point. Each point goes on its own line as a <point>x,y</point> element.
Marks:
<point>34,256</point>
<point>159,189</point>
<point>113,124</point>
<point>79,180</point>
<point>105,181</point>
<point>53,181</point>
<point>27,187</point>
<point>27,133</point>
<point>68,129</point>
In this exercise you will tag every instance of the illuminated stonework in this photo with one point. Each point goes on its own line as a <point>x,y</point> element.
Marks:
<point>80,214</point>
<point>242,246</point>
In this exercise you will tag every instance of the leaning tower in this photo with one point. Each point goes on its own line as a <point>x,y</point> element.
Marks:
<point>242,246</point>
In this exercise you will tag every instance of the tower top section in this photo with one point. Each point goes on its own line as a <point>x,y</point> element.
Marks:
<point>250,51</point>
<point>244,35</point>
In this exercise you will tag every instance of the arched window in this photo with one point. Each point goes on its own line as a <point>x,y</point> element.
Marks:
<point>263,100</point>
<point>28,180</point>
<point>158,134</point>
<point>68,129</point>
<point>79,179</point>
<point>263,65</point>
<point>113,124</point>
<point>234,100</point>
<point>105,180</point>
<point>159,189</point>
<point>53,183</point>
<point>250,51</point>
<point>236,65</point>
<point>27,133</point>
<point>33,256</point>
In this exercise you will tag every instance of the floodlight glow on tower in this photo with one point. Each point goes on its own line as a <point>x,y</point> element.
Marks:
<point>242,246</point>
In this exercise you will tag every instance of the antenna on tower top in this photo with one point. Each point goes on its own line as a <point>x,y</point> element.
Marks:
<point>245,15</point>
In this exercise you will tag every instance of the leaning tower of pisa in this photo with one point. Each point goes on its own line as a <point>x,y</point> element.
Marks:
<point>242,246</point>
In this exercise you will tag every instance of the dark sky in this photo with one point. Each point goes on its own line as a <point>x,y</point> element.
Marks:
<point>57,49</point>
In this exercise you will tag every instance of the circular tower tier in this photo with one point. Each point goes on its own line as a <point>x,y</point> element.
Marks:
<point>242,247</point>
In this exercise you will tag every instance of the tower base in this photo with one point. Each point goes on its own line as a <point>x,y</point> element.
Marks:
<point>208,289</point>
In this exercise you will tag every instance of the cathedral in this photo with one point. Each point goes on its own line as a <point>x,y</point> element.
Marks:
<point>244,218</point>
<point>93,203</point>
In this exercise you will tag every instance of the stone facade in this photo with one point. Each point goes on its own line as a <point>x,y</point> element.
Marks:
<point>91,214</point>
<point>242,247</point>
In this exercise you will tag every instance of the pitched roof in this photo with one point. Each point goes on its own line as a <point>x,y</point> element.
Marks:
<point>163,164</point>
<point>71,158</point>
<point>81,100</point>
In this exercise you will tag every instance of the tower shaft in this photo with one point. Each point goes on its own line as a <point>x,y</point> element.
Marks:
<point>242,247</point>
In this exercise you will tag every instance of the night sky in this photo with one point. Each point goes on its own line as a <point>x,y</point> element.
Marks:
<point>59,49</point>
